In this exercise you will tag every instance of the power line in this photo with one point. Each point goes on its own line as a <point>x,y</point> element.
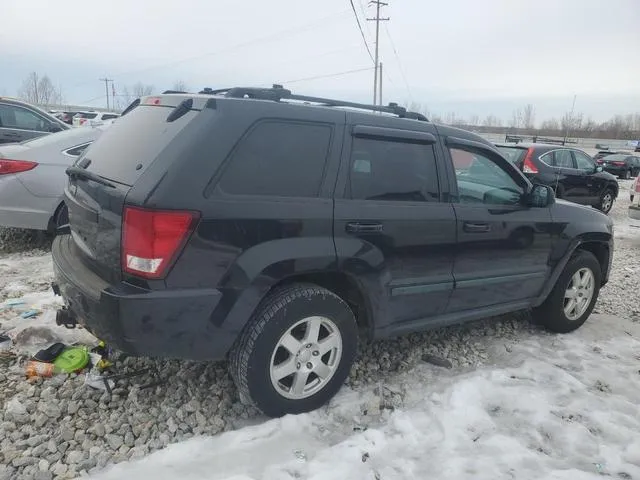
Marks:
<point>338,74</point>
<point>364,39</point>
<point>395,52</point>
<point>270,37</point>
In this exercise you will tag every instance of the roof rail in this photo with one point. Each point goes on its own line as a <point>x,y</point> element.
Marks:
<point>278,93</point>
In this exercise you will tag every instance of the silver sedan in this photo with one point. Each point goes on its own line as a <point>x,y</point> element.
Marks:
<point>33,178</point>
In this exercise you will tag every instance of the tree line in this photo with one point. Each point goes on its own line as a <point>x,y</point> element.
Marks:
<point>40,89</point>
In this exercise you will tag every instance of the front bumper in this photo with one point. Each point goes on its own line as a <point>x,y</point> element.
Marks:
<point>156,323</point>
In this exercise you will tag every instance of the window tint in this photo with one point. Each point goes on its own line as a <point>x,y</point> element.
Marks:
<point>109,116</point>
<point>562,159</point>
<point>481,180</point>
<point>513,154</point>
<point>394,171</point>
<point>17,117</point>
<point>279,159</point>
<point>583,161</point>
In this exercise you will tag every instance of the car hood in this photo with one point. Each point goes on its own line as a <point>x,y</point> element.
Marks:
<point>564,211</point>
<point>605,176</point>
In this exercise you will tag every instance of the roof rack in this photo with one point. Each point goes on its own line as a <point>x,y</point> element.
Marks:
<point>278,93</point>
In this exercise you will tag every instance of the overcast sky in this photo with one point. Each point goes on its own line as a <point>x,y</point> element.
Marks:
<point>467,56</point>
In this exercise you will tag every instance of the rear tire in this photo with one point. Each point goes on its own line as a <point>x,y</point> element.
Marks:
<point>626,175</point>
<point>321,338</point>
<point>606,201</point>
<point>556,313</point>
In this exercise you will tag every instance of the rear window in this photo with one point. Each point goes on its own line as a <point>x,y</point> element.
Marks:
<point>616,158</point>
<point>514,155</point>
<point>128,147</point>
<point>87,115</point>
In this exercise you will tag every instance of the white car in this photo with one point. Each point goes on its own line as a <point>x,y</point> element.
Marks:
<point>634,196</point>
<point>33,177</point>
<point>83,118</point>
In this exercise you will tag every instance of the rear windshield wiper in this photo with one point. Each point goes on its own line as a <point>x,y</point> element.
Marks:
<point>77,172</point>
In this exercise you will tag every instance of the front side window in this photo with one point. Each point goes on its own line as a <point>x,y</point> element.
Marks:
<point>392,170</point>
<point>12,116</point>
<point>583,161</point>
<point>282,159</point>
<point>482,180</point>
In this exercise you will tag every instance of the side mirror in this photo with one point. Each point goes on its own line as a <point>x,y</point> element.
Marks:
<point>541,196</point>
<point>53,128</point>
<point>598,168</point>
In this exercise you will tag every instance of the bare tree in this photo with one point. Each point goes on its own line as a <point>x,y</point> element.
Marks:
<point>491,121</point>
<point>528,116</point>
<point>551,124</point>
<point>516,119</point>
<point>129,94</point>
<point>474,120</point>
<point>40,90</point>
<point>180,86</point>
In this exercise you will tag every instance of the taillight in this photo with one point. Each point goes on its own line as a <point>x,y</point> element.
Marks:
<point>637,189</point>
<point>15,166</point>
<point>152,239</point>
<point>619,164</point>
<point>528,165</point>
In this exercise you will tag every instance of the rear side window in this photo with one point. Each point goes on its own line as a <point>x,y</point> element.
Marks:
<point>514,155</point>
<point>394,171</point>
<point>280,159</point>
<point>109,116</point>
<point>558,158</point>
<point>77,151</point>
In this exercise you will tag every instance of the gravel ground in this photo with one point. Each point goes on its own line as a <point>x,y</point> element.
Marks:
<point>58,428</point>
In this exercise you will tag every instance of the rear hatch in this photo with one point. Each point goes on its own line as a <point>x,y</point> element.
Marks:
<point>514,154</point>
<point>103,176</point>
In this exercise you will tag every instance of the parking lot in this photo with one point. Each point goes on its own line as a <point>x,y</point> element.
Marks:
<point>59,427</point>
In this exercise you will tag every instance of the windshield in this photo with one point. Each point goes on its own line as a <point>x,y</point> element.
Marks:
<point>513,154</point>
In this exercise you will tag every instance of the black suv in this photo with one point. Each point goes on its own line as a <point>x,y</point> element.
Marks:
<point>20,121</point>
<point>277,229</point>
<point>572,174</point>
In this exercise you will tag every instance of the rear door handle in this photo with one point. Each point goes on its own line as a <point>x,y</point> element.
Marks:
<point>471,227</point>
<point>356,227</point>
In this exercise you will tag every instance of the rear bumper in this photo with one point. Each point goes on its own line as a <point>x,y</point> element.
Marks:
<point>615,170</point>
<point>156,323</point>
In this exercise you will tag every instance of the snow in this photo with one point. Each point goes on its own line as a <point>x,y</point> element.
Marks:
<point>555,407</point>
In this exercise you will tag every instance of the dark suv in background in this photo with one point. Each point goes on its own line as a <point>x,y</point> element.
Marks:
<point>571,173</point>
<point>277,230</point>
<point>21,121</point>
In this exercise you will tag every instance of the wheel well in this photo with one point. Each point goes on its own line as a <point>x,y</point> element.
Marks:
<point>344,287</point>
<point>600,251</point>
<point>613,188</point>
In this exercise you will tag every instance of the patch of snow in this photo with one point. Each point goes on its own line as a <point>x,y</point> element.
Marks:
<point>561,408</point>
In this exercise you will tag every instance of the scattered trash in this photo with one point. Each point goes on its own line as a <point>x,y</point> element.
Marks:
<point>49,354</point>
<point>13,303</point>
<point>365,457</point>
<point>5,343</point>
<point>438,361</point>
<point>94,379</point>
<point>599,467</point>
<point>40,369</point>
<point>30,314</point>
<point>300,455</point>
<point>72,359</point>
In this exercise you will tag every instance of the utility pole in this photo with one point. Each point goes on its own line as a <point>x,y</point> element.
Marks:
<point>106,88</point>
<point>377,19</point>
<point>380,89</point>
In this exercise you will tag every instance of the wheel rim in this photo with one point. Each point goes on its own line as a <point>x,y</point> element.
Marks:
<point>607,200</point>
<point>578,294</point>
<point>305,358</point>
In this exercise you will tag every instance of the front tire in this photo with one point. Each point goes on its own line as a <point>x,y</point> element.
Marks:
<point>296,351</point>
<point>574,295</point>
<point>606,201</point>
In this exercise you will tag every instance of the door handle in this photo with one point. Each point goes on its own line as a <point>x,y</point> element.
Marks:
<point>356,227</point>
<point>471,227</point>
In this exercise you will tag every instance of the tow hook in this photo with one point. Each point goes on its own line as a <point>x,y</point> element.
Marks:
<point>65,318</point>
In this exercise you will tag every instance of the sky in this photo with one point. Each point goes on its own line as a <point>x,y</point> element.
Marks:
<point>464,56</point>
